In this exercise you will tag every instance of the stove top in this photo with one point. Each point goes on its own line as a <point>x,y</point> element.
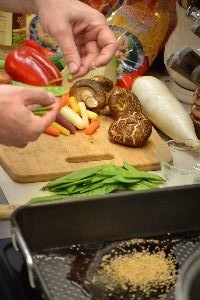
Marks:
<point>14,283</point>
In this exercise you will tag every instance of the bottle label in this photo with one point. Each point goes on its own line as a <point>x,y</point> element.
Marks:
<point>149,26</point>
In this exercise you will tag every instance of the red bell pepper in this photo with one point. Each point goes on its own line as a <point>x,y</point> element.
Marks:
<point>127,79</point>
<point>33,44</point>
<point>27,65</point>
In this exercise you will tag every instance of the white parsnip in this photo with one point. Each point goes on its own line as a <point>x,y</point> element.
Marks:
<point>163,109</point>
<point>83,113</point>
<point>72,117</point>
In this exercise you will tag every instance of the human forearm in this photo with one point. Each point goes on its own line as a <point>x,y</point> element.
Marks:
<point>22,6</point>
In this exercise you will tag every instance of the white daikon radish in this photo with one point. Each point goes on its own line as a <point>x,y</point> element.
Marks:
<point>164,110</point>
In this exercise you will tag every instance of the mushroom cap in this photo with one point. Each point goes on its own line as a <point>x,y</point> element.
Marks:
<point>132,131</point>
<point>123,102</point>
<point>86,88</point>
<point>105,82</point>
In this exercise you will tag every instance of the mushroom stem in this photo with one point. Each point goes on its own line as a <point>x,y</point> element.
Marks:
<point>90,102</point>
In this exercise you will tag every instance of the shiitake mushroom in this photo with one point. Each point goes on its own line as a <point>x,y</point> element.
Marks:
<point>90,92</point>
<point>94,92</point>
<point>131,127</point>
<point>106,83</point>
<point>133,130</point>
<point>123,102</point>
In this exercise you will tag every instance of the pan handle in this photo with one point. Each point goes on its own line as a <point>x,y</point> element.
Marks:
<point>19,244</point>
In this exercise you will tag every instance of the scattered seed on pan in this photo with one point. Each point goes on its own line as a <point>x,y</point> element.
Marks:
<point>147,272</point>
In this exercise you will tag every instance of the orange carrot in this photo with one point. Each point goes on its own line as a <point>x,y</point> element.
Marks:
<point>64,100</point>
<point>90,129</point>
<point>52,131</point>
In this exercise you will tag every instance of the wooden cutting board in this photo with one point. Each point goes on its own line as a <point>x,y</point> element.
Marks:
<point>51,157</point>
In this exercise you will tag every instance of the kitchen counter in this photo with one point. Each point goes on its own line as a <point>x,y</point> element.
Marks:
<point>18,194</point>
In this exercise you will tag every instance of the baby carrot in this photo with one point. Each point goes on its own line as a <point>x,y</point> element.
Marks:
<point>52,131</point>
<point>90,129</point>
<point>60,128</point>
<point>64,100</point>
<point>91,115</point>
<point>74,104</point>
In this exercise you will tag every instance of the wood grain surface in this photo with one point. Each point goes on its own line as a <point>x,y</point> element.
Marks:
<point>51,157</point>
<point>6,211</point>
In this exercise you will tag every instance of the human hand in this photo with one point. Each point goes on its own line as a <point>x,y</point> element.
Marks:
<point>18,124</point>
<point>82,32</point>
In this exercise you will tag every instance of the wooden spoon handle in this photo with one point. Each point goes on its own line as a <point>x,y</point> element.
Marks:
<point>6,210</point>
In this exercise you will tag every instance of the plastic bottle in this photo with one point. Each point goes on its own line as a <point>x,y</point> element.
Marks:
<point>12,31</point>
<point>142,28</point>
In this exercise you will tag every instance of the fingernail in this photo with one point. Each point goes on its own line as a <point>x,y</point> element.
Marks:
<point>72,67</point>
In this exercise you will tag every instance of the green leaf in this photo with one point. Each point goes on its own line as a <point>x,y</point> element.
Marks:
<point>96,178</point>
<point>142,185</point>
<point>122,179</point>
<point>110,180</point>
<point>64,186</point>
<point>58,60</point>
<point>106,189</point>
<point>2,63</point>
<point>56,90</point>
<point>142,174</point>
<point>100,180</point>
<point>41,111</point>
<point>47,198</point>
<point>110,170</point>
<point>74,176</point>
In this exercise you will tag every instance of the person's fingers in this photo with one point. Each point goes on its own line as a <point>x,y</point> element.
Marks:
<point>37,125</point>
<point>108,44</point>
<point>69,50</point>
<point>40,123</point>
<point>81,72</point>
<point>50,116</point>
<point>92,51</point>
<point>31,107</point>
<point>90,55</point>
<point>36,96</point>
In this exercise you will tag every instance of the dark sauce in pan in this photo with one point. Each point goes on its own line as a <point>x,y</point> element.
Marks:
<point>87,261</point>
<point>85,269</point>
